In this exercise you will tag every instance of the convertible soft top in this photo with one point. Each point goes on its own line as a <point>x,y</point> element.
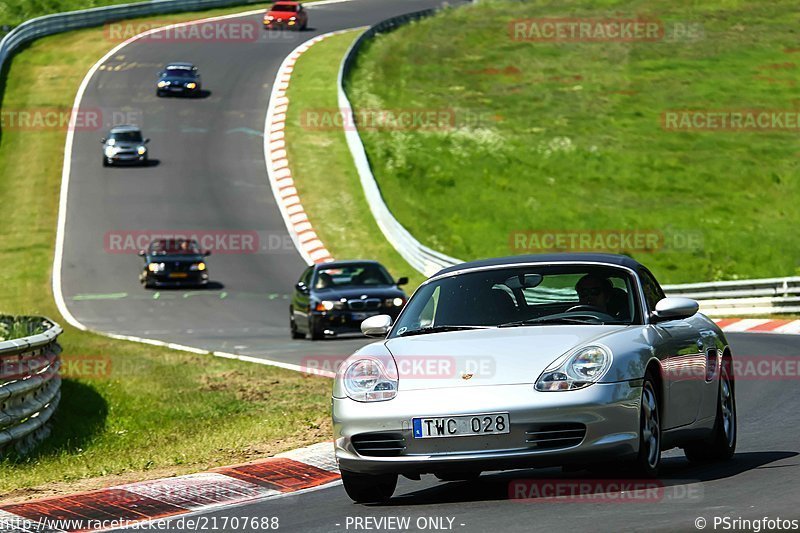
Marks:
<point>612,259</point>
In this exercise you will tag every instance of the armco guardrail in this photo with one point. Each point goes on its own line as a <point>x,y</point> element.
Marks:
<point>743,297</point>
<point>30,385</point>
<point>725,298</point>
<point>419,256</point>
<point>73,20</point>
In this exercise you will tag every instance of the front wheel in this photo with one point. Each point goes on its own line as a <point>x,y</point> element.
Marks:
<point>367,488</point>
<point>315,332</point>
<point>649,458</point>
<point>293,326</point>
<point>722,443</point>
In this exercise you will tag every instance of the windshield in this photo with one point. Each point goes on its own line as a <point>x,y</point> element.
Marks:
<point>522,296</point>
<point>174,246</point>
<point>356,275</point>
<point>284,8</point>
<point>127,136</point>
<point>178,73</point>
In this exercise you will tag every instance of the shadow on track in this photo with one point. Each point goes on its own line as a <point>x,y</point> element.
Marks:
<point>675,471</point>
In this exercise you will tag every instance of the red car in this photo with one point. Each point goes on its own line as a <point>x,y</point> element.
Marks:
<point>290,15</point>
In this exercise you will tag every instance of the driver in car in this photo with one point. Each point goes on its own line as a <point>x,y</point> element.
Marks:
<point>594,291</point>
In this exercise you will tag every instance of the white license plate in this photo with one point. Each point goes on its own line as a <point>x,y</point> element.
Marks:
<point>363,316</point>
<point>461,426</point>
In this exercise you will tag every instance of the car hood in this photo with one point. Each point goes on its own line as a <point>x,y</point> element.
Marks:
<point>355,293</point>
<point>177,80</point>
<point>125,145</point>
<point>282,14</point>
<point>495,356</point>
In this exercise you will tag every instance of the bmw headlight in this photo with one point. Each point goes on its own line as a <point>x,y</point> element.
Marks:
<point>329,305</point>
<point>576,370</point>
<point>394,302</point>
<point>198,267</point>
<point>369,379</point>
<point>141,150</point>
<point>191,85</point>
<point>162,84</point>
<point>155,267</point>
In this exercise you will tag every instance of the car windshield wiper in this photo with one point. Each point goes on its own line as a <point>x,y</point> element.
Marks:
<point>552,320</point>
<point>438,329</point>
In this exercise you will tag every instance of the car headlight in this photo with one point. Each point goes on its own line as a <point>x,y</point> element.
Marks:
<point>394,302</point>
<point>369,380</point>
<point>141,150</point>
<point>110,151</point>
<point>191,85</point>
<point>155,267</point>
<point>293,18</point>
<point>329,305</point>
<point>162,84</point>
<point>575,370</point>
<point>269,18</point>
<point>198,267</point>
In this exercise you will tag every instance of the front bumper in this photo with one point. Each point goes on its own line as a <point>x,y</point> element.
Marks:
<point>609,412</point>
<point>347,321</point>
<point>177,90</point>
<point>159,279</point>
<point>281,25</point>
<point>129,158</point>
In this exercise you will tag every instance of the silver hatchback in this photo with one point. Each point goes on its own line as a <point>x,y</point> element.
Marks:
<point>125,145</point>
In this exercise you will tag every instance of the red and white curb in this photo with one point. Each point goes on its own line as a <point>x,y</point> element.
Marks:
<point>759,325</point>
<point>280,175</point>
<point>125,505</point>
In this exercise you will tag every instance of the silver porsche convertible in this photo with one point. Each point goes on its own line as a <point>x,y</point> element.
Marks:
<point>577,360</point>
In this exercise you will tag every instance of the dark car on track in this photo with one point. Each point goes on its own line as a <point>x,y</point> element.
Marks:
<point>174,263</point>
<point>179,79</point>
<point>124,144</point>
<point>291,15</point>
<point>333,298</point>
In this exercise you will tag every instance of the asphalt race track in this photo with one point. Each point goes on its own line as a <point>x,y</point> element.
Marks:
<point>761,481</point>
<point>207,174</point>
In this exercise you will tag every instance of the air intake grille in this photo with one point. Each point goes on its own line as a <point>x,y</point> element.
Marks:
<point>379,444</point>
<point>549,436</point>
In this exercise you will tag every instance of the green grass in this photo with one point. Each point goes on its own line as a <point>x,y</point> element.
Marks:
<point>567,136</point>
<point>322,167</point>
<point>129,411</point>
<point>14,12</point>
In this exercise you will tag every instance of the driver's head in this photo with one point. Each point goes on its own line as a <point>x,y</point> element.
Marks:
<point>594,290</point>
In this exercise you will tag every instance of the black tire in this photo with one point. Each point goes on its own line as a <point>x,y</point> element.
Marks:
<point>105,161</point>
<point>366,488</point>
<point>648,460</point>
<point>315,333</point>
<point>721,444</point>
<point>293,326</point>
<point>458,476</point>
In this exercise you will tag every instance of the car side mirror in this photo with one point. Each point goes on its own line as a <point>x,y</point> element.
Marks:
<point>207,253</point>
<point>376,326</point>
<point>402,281</point>
<point>675,308</point>
<point>141,253</point>
<point>147,140</point>
<point>301,287</point>
<point>103,140</point>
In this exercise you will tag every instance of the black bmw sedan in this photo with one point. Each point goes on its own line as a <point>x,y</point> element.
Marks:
<point>334,298</point>
<point>179,79</point>
<point>174,263</point>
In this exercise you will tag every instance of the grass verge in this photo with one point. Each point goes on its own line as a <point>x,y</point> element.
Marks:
<point>129,411</point>
<point>566,137</point>
<point>323,169</point>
